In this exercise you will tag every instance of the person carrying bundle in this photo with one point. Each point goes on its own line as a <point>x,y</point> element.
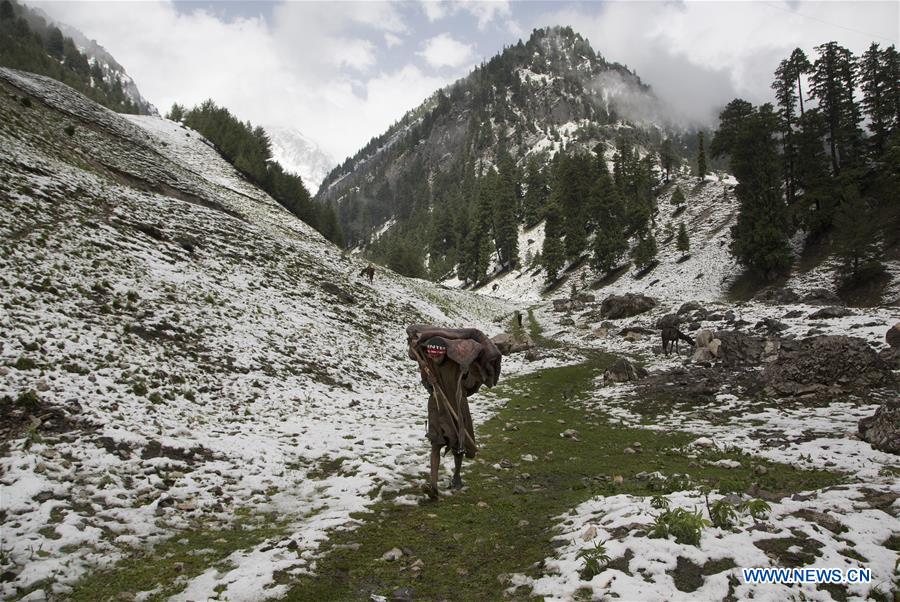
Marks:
<point>453,363</point>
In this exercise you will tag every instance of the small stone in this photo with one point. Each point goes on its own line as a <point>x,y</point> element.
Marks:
<point>628,450</point>
<point>704,442</point>
<point>528,458</point>
<point>186,506</point>
<point>178,567</point>
<point>506,463</point>
<point>403,594</point>
<point>462,572</point>
<point>618,479</point>
<point>523,523</point>
<point>589,533</point>
<point>637,445</point>
<point>482,505</point>
<point>392,555</point>
<point>760,470</point>
<point>518,489</point>
<point>42,385</point>
<point>569,434</point>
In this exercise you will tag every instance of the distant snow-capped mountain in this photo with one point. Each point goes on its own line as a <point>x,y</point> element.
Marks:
<point>299,155</point>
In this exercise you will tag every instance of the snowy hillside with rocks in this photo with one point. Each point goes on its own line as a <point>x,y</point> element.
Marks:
<point>177,347</point>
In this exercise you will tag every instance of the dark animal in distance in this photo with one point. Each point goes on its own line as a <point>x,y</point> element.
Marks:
<point>368,271</point>
<point>670,335</point>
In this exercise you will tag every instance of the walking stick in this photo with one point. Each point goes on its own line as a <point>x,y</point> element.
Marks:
<point>440,397</point>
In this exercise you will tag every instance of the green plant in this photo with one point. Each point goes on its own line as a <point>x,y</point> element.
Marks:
<point>595,560</point>
<point>722,514</point>
<point>69,130</point>
<point>685,526</point>
<point>660,502</point>
<point>758,509</point>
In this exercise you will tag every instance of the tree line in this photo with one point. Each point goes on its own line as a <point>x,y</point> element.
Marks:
<point>829,170</point>
<point>249,150</point>
<point>28,43</point>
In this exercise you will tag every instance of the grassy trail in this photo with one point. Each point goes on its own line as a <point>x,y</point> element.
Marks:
<point>462,546</point>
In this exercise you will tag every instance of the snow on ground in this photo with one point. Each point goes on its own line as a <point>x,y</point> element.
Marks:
<point>182,348</point>
<point>711,210</point>
<point>837,524</point>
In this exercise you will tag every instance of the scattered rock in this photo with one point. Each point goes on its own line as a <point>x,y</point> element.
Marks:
<point>777,295</point>
<point>392,555</point>
<point>342,295</point>
<point>837,362</point>
<point>892,336</point>
<point>701,355</point>
<point>615,307</point>
<point>689,307</point>
<point>567,322</point>
<point>509,343</point>
<point>703,442</point>
<point>622,371</point>
<point>403,594</point>
<point>714,346</point>
<point>821,296</point>
<point>772,325</point>
<point>882,429</point>
<point>828,313</point>
<point>633,337</point>
<point>570,434</point>
<point>482,505</point>
<point>519,490</point>
<point>589,533</point>
<point>703,338</point>
<point>567,305</point>
<point>629,450</point>
<point>739,349</point>
<point>618,479</point>
<point>794,313</point>
<point>600,333</point>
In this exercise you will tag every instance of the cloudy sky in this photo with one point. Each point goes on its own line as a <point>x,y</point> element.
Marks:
<point>342,72</point>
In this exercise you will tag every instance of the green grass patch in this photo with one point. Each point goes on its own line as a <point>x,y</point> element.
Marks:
<point>465,548</point>
<point>170,562</point>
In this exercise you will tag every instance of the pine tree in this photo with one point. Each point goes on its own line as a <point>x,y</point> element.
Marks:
<point>677,197</point>
<point>833,81</point>
<point>683,243</point>
<point>644,252</point>
<point>813,207</point>
<point>760,236</point>
<point>701,157</point>
<point>536,192</point>
<point>876,83</point>
<point>506,230</point>
<point>6,11</point>
<point>856,238</point>
<point>553,253</point>
<point>668,158</point>
<point>788,74</point>
<point>176,113</point>
<point>55,42</point>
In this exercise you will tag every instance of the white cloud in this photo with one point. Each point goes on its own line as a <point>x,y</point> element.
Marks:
<point>485,12</point>
<point>699,55</point>
<point>444,51</point>
<point>391,40</point>
<point>434,10</point>
<point>313,68</point>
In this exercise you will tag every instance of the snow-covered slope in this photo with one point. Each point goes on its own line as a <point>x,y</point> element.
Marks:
<point>177,347</point>
<point>301,156</point>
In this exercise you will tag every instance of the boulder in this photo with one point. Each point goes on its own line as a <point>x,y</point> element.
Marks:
<point>821,296</point>
<point>623,371</point>
<point>567,322</point>
<point>509,343</point>
<point>892,336</point>
<point>882,429</point>
<point>636,329</point>
<point>703,338</point>
<point>714,346</point>
<point>584,297</point>
<point>739,349</point>
<point>777,295</point>
<point>342,295</point>
<point>600,333</point>
<point>615,307</point>
<point>633,337</point>
<point>827,313</point>
<point>839,363</point>
<point>567,305</point>
<point>702,354</point>
<point>689,307</point>
<point>772,325</point>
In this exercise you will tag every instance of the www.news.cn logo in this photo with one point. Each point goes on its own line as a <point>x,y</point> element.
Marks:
<point>807,575</point>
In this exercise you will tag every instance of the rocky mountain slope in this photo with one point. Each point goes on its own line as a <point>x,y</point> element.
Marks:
<point>177,347</point>
<point>535,98</point>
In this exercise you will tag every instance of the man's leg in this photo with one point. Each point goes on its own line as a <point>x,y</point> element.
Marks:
<point>435,464</point>
<point>457,464</point>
